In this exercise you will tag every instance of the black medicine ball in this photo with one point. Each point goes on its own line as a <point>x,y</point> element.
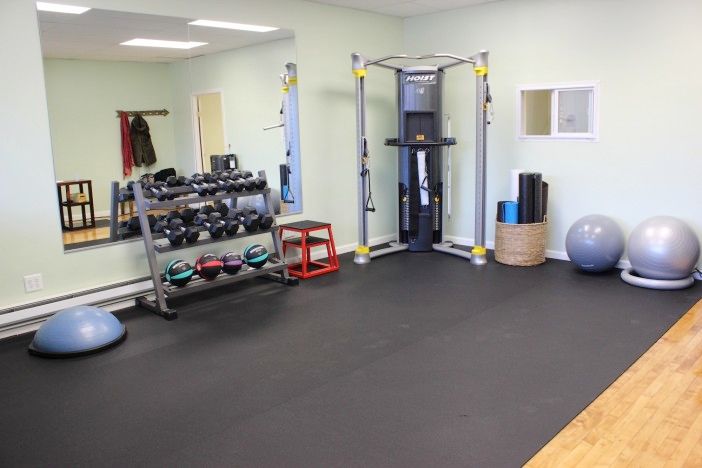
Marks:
<point>208,266</point>
<point>178,273</point>
<point>231,263</point>
<point>255,255</point>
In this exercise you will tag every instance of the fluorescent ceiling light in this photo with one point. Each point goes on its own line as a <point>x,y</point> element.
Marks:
<point>58,8</point>
<point>227,25</point>
<point>160,43</point>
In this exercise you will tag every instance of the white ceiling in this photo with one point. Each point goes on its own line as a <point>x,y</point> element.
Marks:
<point>403,8</point>
<point>97,34</point>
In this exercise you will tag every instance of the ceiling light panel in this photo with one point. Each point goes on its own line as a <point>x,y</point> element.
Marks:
<point>140,42</point>
<point>59,8</point>
<point>227,25</point>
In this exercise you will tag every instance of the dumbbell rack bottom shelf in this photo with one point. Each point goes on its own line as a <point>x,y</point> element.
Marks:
<point>276,268</point>
<point>267,271</point>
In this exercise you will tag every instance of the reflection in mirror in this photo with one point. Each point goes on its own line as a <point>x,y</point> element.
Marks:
<point>99,63</point>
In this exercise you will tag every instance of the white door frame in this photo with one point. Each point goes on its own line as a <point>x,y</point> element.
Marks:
<point>196,124</point>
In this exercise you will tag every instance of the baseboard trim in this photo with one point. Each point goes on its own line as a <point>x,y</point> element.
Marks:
<point>554,254</point>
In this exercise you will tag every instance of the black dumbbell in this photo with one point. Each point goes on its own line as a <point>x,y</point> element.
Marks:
<point>133,223</point>
<point>221,208</point>
<point>264,221</point>
<point>174,236</point>
<point>212,223</point>
<point>187,215</point>
<point>191,234</point>
<point>206,210</point>
<point>250,221</point>
<point>172,181</point>
<point>159,190</point>
<point>246,174</point>
<point>222,181</point>
<point>249,184</point>
<point>197,182</point>
<point>257,182</point>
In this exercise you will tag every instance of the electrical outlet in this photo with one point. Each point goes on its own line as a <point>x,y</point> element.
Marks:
<point>33,283</point>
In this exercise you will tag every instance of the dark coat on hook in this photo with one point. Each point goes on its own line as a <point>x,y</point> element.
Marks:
<point>142,148</point>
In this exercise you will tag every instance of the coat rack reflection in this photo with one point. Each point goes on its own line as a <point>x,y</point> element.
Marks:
<point>144,113</point>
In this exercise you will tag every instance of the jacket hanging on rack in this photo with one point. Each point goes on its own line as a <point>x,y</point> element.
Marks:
<point>142,148</point>
<point>127,155</point>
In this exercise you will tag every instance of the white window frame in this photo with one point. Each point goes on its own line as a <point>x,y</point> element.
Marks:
<point>594,86</point>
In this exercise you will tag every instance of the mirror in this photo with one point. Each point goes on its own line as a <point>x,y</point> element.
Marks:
<point>205,103</point>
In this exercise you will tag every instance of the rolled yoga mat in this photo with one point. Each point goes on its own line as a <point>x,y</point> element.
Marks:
<point>538,198</point>
<point>510,212</point>
<point>500,212</point>
<point>526,198</point>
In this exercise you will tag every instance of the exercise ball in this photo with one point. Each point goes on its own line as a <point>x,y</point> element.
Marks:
<point>663,248</point>
<point>259,203</point>
<point>76,331</point>
<point>595,243</point>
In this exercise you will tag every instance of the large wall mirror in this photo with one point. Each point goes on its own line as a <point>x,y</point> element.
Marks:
<point>196,97</point>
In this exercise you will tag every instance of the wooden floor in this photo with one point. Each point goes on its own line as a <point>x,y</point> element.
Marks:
<point>85,235</point>
<point>650,416</point>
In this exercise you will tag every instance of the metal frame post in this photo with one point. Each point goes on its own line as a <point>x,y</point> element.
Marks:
<point>479,252</point>
<point>161,306</point>
<point>292,133</point>
<point>114,211</point>
<point>359,70</point>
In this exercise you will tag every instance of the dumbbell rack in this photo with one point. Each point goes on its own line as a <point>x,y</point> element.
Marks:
<point>275,269</point>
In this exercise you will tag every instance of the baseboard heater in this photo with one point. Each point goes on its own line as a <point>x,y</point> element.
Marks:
<point>24,318</point>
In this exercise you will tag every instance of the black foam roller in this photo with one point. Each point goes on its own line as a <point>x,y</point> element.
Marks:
<point>538,198</point>
<point>500,212</point>
<point>526,197</point>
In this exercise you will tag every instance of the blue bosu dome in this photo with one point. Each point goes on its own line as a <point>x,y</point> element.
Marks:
<point>77,330</point>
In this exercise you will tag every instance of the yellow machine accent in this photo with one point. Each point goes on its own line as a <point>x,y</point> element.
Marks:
<point>360,73</point>
<point>362,249</point>
<point>285,89</point>
<point>478,250</point>
<point>480,71</point>
<point>420,137</point>
<point>292,80</point>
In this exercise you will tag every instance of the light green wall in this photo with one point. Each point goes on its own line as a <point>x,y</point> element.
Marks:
<point>82,97</point>
<point>249,81</point>
<point>649,157</point>
<point>325,36</point>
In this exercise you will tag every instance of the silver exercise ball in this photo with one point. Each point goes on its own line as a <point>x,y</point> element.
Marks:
<point>595,243</point>
<point>663,248</point>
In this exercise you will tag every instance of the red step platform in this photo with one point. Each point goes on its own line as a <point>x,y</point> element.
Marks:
<point>308,268</point>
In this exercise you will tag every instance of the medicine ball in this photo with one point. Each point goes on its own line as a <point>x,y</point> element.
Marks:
<point>208,266</point>
<point>255,255</point>
<point>178,272</point>
<point>231,263</point>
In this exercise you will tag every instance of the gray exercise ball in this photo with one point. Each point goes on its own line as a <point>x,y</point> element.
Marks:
<point>663,248</point>
<point>595,243</point>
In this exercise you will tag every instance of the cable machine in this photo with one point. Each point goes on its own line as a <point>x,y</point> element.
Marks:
<point>290,189</point>
<point>420,144</point>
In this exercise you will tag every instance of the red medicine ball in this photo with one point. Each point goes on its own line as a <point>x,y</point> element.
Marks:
<point>208,266</point>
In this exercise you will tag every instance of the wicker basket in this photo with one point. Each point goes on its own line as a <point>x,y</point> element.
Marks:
<point>520,244</point>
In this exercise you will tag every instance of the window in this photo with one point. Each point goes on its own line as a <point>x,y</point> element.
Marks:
<point>565,111</point>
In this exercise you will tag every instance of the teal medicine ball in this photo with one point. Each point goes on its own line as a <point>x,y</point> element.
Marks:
<point>178,273</point>
<point>255,255</point>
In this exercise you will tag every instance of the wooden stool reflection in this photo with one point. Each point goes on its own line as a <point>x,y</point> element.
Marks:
<point>68,203</point>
